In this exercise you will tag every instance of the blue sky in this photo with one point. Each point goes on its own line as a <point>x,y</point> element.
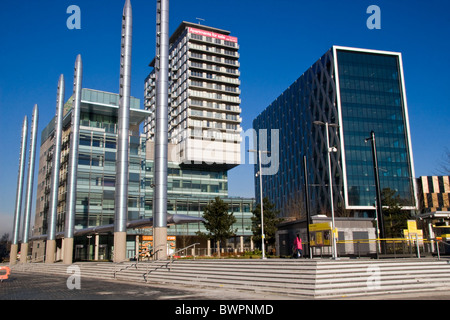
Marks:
<point>278,41</point>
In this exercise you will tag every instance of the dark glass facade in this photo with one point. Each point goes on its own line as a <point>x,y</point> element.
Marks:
<point>372,100</point>
<point>355,91</point>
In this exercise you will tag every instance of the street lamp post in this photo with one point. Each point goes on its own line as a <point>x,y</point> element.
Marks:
<point>329,150</point>
<point>308,214</point>
<point>379,208</point>
<point>261,199</point>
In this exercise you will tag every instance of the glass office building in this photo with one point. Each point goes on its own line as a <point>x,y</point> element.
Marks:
<point>355,91</point>
<point>96,171</point>
<point>190,189</point>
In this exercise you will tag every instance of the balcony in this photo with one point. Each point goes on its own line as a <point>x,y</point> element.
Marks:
<point>215,42</point>
<point>108,127</point>
<point>214,87</point>
<point>213,96</point>
<point>213,60</point>
<point>214,50</point>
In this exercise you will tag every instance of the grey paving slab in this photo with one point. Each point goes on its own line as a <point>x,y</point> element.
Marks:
<point>25,286</point>
<point>176,301</point>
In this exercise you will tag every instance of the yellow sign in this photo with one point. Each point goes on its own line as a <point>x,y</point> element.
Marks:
<point>320,226</point>
<point>412,225</point>
<point>412,232</point>
<point>321,234</point>
<point>319,238</point>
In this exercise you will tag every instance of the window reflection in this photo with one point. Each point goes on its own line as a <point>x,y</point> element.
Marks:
<point>371,99</point>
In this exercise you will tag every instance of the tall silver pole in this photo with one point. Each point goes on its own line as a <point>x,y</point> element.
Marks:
<point>161,134</point>
<point>30,181</point>
<point>262,207</point>
<point>121,196</point>
<point>334,253</point>
<point>19,192</point>
<point>51,229</point>
<point>73,163</point>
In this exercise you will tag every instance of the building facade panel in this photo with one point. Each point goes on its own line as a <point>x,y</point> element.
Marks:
<point>433,193</point>
<point>190,188</point>
<point>371,99</point>
<point>354,91</point>
<point>204,103</point>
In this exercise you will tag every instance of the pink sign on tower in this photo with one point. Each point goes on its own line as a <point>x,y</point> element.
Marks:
<point>212,34</point>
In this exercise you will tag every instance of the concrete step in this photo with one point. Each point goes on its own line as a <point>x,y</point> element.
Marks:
<point>309,278</point>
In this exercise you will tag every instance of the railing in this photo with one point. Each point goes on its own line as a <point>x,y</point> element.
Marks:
<point>168,264</point>
<point>152,254</point>
<point>394,247</point>
<point>136,256</point>
<point>147,272</point>
<point>437,246</point>
<point>171,255</point>
<point>388,247</point>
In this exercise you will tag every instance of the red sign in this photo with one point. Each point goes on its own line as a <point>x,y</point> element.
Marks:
<point>212,34</point>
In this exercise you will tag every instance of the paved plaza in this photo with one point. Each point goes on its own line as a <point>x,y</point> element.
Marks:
<point>176,301</point>
<point>28,286</point>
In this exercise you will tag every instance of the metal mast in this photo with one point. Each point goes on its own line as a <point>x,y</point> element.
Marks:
<point>73,163</point>
<point>51,240</point>
<point>161,134</point>
<point>121,197</point>
<point>19,192</point>
<point>379,208</point>
<point>30,180</point>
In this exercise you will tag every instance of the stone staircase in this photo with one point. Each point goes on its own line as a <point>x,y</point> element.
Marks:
<point>320,279</point>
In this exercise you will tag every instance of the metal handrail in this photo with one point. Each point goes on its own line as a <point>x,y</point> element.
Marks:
<point>168,264</point>
<point>160,246</point>
<point>125,268</point>
<point>191,245</point>
<point>171,255</point>
<point>136,256</point>
<point>148,264</point>
<point>437,245</point>
<point>147,272</point>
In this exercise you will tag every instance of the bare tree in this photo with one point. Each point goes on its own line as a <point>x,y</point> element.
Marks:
<point>295,208</point>
<point>444,164</point>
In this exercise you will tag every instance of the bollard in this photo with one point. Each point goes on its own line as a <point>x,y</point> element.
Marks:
<point>417,245</point>
<point>437,246</point>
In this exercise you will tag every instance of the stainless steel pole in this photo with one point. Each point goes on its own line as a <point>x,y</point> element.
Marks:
<point>51,229</point>
<point>121,196</point>
<point>73,162</point>
<point>262,207</point>
<point>19,192</point>
<point>30,181</point>
<point>161,134</point>
<point>333,237</point>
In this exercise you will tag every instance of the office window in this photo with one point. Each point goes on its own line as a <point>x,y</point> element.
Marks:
<point>371,100</point>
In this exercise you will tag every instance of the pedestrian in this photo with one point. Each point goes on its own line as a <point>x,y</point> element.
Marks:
<point>298,248</point>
